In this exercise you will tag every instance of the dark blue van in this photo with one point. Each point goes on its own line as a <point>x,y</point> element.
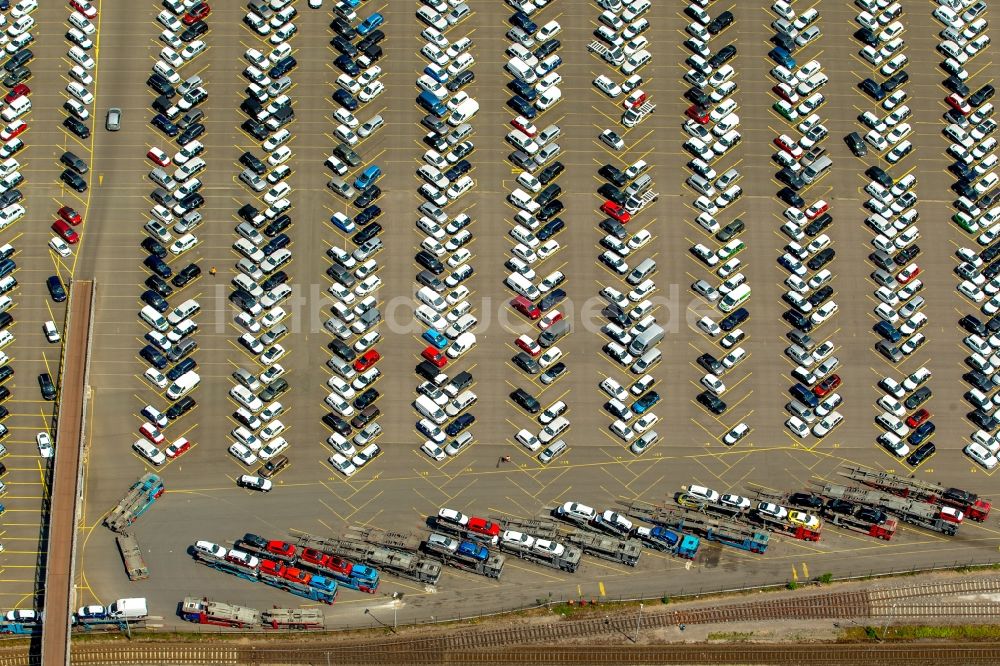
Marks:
<point>431,104</point>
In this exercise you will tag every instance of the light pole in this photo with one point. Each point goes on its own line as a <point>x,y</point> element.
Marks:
<point>638,623</point>
<point>885,627</point>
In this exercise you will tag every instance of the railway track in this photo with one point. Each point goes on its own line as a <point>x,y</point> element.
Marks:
<point>922,654</point>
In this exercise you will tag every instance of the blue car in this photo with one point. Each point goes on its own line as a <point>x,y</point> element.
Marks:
<point>782,57</point>
<point>473,550</point>
<point>56,289</point>
<point>155,358</point>
<point>344,98</point>
<point>345,64</point>
<point>368,177</point>
<point>439,74</point>
<point>522,106</point>
<point>645,402</point>
<point>521,20</point>
<point>182,367</point>
<point>887,331</point>
<point>370,23</point>
<point>342,222</point>
<point>922,432</point>
<point>161,122</point>
<point>435,338</point>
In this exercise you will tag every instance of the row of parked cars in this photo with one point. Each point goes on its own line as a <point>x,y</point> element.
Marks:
<point>711,129</point>
<point>176,199</point>
<point>533,60</point>
<point>969,130</point>
<point>444,256</point>
<point>892,220</point>
<point>631,327</point>
<point>353,270</point>
<point>802,161</point>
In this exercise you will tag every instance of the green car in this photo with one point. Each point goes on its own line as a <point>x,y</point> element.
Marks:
<point>786,110</point>
<point>966,222</point>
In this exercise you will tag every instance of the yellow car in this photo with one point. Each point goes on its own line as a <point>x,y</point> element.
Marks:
<point>804,519</point>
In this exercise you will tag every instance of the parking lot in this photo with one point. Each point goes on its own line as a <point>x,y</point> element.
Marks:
<point>403,485</point>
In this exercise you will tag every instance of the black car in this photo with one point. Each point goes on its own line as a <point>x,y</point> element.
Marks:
<point>526,401</point>
<point>872,89</point>
<point>720,22</point>
<point>152,246</point>
<point>519,87</point>
<point>551,299</point>
<point>427,370</point>
<point>46,386</point>
<point>711,402</point>
<point>730,231</point>
<point>72,179</point>
<point>247,212</point>
<point>551,172</point>
<point>344,46</point>
<point>77,127</point>
<point>15,76</point>
<point>154,300</point>
<point>274,389</point>
<point>896,80</point>
<point>972,325</point>
<point>711,364</point>
<point>791,179</point>
<point>429,261</point>
<point>190,134</point>
<point>337,424</point>
<point>821,259</point>
<point>278,226</point>
<point>724,55</point>
<point>784,41</point>
<point>613,227</point>
<point>186,275</point>
<point>459,424</point>
<point>616,315</point>
<point>613,175</point>
<point>10,197</point>
<point>342,349</point>
<point>879,176</point>
<point>807,500</point>
<point>856,144</point>
<point>735,319</point>
<point>797,320</point>
<point>524,361</point>
<point>56,289</point>
<point>255,129</point>
<point>790,197</point>
<point>923,452</point>
<point>367,215</point>
<point>460,81</point>
<point>818,225</point>
<point>158,286</point>
<point>366,234</point>
<point>907,255</point>
<point>194,31</point>
<point>363,400</point>
<point>820,296</point>
<point>180,408</point>
<point>550,229</point>
<point>461,168</point>
<point>182,367</point>
<point>698,96</point>
<point>273,280</point>
<point>611,193</point>
<point>956,85</point>
<point>954,116</point>
<point>370,40</point>
<point>276,243</point>
<point>373,52</point>
<point>347,65</point>
<point>367,197</point>
<point>522,106</point>
<point>871,515</point>
<point>867,36</point>
<point>160,84</point>
<point>344,98</point>
<point>343,28</point>
<point>840,506</point>
<point>250,161</point>
<point>980,96</point>
<point>983,420</point>
<point>549,210</point>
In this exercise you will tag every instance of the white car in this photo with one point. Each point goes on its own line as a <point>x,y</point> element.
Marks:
<point>45,448</point>
<point>342,464</point>
<point>703,493</point>
<point>243,453</point>
<point>59,246</point>
<point>433,451</point>
<point>50,331</point>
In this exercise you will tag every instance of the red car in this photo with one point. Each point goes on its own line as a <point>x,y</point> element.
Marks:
<point>787,144</point>
<point>271,567</point>
<point>12,130</point>
<point>524,125</point>
<point>908,273</point>
<point>70,215</point>
<point>528,345</point>
<point>434,356</point>
<point>635,99</point>
<point>282,548</point>
<point>152,433</point>
<point>179,447</point>
<point>313,556</point>
<point>84,8</point>
<point>297,575</point>
<point>17,91</point>
<point>67,232</point>
<point>483,526</point>
<point>526,307</point>
<point>340,565</point>
<point>612,209</point>
<point>918,417</point>
<point>785,92</point>
<point>827,385</point>
<point>958,103</point>
<point>818,208</point>
<point>158,156</point>
<point>366,360</point>
<point>197,13</point>
<point>699,114</point>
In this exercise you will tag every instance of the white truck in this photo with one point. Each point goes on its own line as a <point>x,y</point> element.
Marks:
<point>129,609</point>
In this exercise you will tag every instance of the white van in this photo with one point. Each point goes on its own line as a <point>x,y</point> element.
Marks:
<point>522,285</point>
<point>149,315</point>
<point>520,69</point>
<point>184,385</point>
<point>16,109</point>
<point>463,112</point>
<point>548,98</point>
<point>430,409</point>
<point>735,298</point>
<point>523,200</point>
<point>431,298</point>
